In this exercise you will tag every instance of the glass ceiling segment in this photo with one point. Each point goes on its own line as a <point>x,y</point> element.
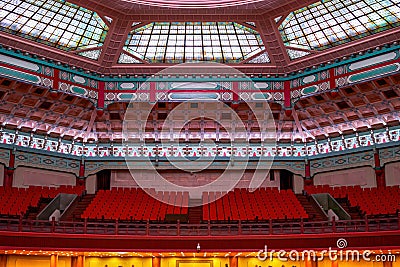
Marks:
<point>329,23</point>
<point>92,54</point>
<point>295,54</point>
<point>56,23</point>
<point>193,3</point>
<point>224,42</point>
<point>126,59</point>
<point>263,58</point>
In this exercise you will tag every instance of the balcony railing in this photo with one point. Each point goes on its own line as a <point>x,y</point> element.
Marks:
<point>204,229</point>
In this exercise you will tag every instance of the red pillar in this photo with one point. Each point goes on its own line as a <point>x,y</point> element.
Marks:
<point>379,171</point>
<point>3,260</point>
<point>153,90</point>
<point>9,171</point>
<point>53,261</point>
<point>80,262</point>
<point>156,262</point>
<point>308,263</point>
<point>308,181</point>
<point>74,261</point>
<point>233,262</point>
<point>332,83</point>
<point>287,98</point>
<point>100,99</point>
<point>80,181</point>
<point>387,264</point>
<point>235,90</point>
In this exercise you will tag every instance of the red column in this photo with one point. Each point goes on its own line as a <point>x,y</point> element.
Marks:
<point>287,98</point>
<point>308,181</point>
<point>53,261</point>
<point>80,262</point>
<point>156,262</point>
<point>332,83</point>
<point>335,264</point>
<point>54,93</point>
<point>235,91</point>
<point>80,181</point>
<point>387,264</point>
<point>3,260</point>
<point>5,181</point>
<point>153,90</point>
<point>9,171</point>
<point>74,261</point>
<point>308,263</point>
<point>100,99</point>
<point>233,262</point>
<point>379,171</point>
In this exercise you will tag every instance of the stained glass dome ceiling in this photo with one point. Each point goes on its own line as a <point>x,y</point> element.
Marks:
<point>262,36</point>
<point>193,3</point>
<point>55,23</point>
<point>326,24</point>
<point>224,42</point>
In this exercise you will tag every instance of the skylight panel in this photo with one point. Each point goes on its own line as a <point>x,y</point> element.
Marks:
<point>295,54</point>
<point>55,23</point>
<point>260,59</point>
<point>92,54</point>
<point>330,23</point>
<point>178,42</point>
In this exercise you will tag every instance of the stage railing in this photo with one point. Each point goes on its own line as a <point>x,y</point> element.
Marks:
<point>203,229</point>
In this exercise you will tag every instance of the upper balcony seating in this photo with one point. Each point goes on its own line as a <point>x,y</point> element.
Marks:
<point>16,201</point>
<point>135,204</point>
<point>262,204</point>
<point>372,201</point>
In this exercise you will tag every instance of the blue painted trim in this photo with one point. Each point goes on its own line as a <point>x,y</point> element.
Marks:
<point>341,153</point>
<point>40,152</point>
<point>347,61</point>
<point>45,63</point>
<point>290,158</point>
<point>197,79</point>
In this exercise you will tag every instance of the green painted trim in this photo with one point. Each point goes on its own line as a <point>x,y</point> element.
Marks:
<point>374,73</point>
<point>289,76</point>
<point>40,152</point>
<point>45,63</point>
<point>78,90</point>
<point>22,76</point>
<point>341,153</point>
<point>309,90</point>
<point>347,61</point>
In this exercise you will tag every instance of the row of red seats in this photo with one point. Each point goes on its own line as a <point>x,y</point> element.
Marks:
<point>52,192</point>
<point>135,204</point>
<point>336,192</point>
<point>262,204</point>
<point>371,201</point>
<point>377,201</point>
<point>16,201</point>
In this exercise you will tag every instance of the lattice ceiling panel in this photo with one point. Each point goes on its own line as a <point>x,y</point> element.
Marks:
<point>53,22</point>
<point>224,42</point>
<point>326,24</point>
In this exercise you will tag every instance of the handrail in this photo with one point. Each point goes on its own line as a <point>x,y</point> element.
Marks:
<point>204,229</point>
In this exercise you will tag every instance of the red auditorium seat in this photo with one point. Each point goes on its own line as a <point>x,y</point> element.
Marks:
<point>16,201</point>
<point>371,201</point>
<point>135,204</point>
<point>262,204</point>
